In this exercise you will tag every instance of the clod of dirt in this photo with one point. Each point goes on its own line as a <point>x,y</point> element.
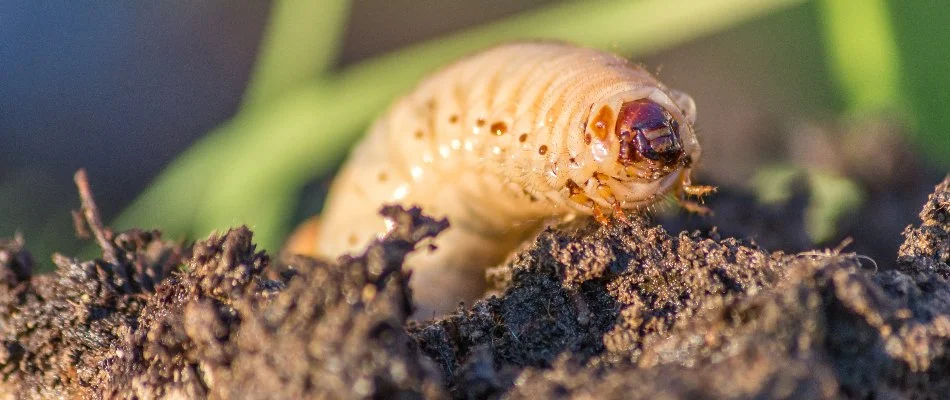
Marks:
<point>926,248</point>
<point>828,328</point>
<point>625,311</point>
<point>222,330</point>
<point>60,332</point>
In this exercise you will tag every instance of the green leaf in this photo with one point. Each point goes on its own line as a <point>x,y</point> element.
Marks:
<point>862,53</point>
<point>923,30</point>
<point>300,43</point>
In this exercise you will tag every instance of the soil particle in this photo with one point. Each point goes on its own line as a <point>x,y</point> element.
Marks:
<point>926,248</point>
<point>628,310</point>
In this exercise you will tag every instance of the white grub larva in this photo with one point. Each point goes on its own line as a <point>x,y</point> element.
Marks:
<point>502,140</point>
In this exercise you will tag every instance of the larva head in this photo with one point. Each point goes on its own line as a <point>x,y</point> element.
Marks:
<point>642,142</point>
<point>648,135</point>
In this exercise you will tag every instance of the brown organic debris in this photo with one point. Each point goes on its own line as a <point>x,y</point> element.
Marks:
<point>622,311</point>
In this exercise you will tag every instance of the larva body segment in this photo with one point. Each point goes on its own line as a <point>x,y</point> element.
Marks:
<point>502,140</point>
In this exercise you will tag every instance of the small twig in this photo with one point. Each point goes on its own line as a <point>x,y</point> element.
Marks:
<point>89,209</point>
<point>79,225</point>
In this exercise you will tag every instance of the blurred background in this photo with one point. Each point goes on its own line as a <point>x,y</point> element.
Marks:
<point>194,116</point>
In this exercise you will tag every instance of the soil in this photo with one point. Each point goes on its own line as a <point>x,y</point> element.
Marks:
<point>695,309</point>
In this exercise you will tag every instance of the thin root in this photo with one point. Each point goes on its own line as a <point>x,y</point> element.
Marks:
<point>837,252</point>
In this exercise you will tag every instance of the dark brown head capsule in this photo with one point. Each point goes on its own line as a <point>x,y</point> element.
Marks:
<point>647,131</point>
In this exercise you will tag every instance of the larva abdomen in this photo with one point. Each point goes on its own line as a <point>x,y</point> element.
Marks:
<point>501,140</point>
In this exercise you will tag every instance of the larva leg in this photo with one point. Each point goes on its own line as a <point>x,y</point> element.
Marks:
<point>685,188</point>
<point>618,211</point>
<point>695,207</point>
<point>699,190</point>
<point>599,215</point>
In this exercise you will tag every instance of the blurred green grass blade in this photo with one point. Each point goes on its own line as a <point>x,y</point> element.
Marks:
<point>271,150</point>
<point>862,53</point>
<point>922,28</point>
<point>633,28</point>
<point>772,184</point>
<point>832,198</point>
<point>171,201</point>
<point>271,174</point>
<point>300,43</point>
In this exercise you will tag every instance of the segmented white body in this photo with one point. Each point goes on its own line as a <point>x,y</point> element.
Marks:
<point>498,142</point>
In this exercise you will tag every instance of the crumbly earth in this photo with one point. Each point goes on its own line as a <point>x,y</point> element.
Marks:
<point>628,310</point>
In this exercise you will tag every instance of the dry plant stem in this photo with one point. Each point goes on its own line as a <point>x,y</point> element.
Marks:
<point>79,225</point>
<point>91,212</point>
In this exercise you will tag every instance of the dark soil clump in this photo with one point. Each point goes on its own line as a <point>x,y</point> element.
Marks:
<point>624,311</point>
